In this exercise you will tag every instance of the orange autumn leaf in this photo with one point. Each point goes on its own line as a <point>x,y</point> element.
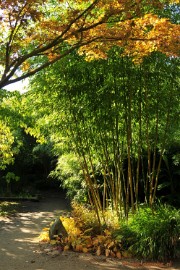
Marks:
<point>119,255</point>
<point>78,248</point>
<point>98,251</point>
<point>107,252</point>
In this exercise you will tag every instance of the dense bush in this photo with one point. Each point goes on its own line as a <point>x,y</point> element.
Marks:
<point>86,219</point>
<point>152,234</point>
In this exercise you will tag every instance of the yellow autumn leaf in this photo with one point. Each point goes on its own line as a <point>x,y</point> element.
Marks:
<point>70,226</point>
<point>107,232</point>
<point>85,250</point>
<point>25,66</point>
<point>44,236</point>
<point>45,229</point>
<point>67,247</point>
<point>101,238</point>
<point>115,249</point>
<point>110,245</point>
<point>53,242</point>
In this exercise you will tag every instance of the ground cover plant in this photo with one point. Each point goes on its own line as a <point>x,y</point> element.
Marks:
<point>152,233</point>
<point>84,233</point>
<point>148,235</point>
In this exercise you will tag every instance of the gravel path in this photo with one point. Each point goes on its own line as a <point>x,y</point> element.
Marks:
<point>20,249</point>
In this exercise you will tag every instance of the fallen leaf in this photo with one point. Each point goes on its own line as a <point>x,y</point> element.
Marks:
<point>119,255</point>
<point>107,252</point>
<point>85,250</point>
<point>98,251</point>
<point>67,247</point>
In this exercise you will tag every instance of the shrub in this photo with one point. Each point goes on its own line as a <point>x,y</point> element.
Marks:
<point>152,234</point>
<point>69,173</point>
<point>86,219</point>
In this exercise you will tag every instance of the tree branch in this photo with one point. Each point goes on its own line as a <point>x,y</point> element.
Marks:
<point>37,51</point>
<point>45,65</point>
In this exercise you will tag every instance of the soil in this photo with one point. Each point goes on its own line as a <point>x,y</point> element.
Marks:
<point>20,247</point>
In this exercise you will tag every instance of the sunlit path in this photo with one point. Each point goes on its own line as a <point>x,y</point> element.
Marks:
<point>20,248</point>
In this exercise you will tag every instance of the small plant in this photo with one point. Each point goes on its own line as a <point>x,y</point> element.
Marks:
<point>152,234</point>
<point>7,208</point>
<point>86,219</point>
<point>69,173</point>
<point>9,178</point>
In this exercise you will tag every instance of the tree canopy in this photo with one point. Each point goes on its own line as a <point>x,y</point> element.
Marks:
<point>36,34</point>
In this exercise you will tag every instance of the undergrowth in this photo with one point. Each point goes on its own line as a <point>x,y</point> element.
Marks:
<point>8,208</point>
<point>148,235</point>
<point>86,219</point>
<point>152,234</point>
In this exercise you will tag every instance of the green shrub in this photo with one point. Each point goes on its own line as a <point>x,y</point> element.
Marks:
<point>152,234</point>
<point>70,175</point>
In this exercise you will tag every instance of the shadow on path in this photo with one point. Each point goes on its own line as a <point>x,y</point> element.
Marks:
<point>19,233</point>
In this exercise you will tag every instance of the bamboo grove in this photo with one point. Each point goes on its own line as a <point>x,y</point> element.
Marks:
<point>120,119</point>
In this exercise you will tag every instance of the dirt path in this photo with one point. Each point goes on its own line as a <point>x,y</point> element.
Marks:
<point>20,249</point>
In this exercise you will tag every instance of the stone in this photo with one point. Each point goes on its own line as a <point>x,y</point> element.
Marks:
<point>57,228</point>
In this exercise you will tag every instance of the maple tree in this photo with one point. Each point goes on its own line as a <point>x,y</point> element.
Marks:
<point>36,34</point>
